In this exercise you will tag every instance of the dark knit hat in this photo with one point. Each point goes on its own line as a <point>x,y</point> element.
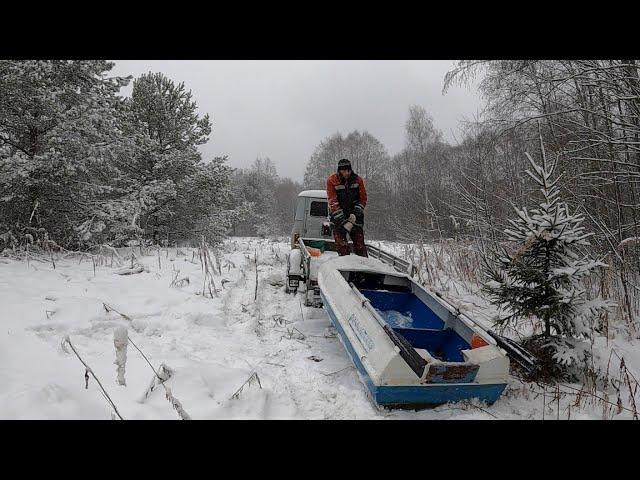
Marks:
<point>343,164</point>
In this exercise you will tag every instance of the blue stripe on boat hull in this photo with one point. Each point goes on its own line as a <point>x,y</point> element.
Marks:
<point>414,396</point>
<point>430,395</point>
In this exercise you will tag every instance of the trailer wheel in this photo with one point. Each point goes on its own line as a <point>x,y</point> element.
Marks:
<point>288,289</point>
<point>291,281</point>
<point>287,282</point>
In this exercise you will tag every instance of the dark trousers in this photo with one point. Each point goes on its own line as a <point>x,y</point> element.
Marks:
<point>357,236</point>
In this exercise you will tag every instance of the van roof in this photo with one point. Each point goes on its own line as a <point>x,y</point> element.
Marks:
<point>313,193</point>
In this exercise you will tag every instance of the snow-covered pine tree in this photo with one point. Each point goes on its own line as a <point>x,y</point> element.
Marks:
<point>540,274</point>
<point>58,137</point>
<point>166,129</point>
<point>173,193</point>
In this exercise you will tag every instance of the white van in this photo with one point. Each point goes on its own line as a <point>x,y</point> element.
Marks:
<point>311,217</point>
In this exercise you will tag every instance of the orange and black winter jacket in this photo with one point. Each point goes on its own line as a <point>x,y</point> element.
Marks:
<point>345,194</point>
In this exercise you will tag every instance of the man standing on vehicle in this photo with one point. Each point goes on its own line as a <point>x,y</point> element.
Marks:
<point>347,198</point>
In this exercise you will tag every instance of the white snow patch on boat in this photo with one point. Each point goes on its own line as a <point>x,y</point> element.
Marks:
<point>396,318</point>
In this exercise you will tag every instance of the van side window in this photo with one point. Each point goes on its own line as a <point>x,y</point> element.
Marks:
<point>318,209</point>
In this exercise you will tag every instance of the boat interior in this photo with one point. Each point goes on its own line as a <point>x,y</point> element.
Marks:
<point>409,316</point>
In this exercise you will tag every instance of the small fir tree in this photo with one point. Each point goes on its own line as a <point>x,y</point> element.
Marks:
<point>540,275</point>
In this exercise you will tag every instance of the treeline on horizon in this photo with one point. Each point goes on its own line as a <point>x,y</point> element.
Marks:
<point>82,165</point>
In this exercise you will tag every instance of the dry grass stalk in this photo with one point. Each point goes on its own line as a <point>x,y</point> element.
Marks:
<point>252,378</point>
<point>255,296</point>
<point>109,308</point>
<point>168,395</point>
<point>294,334</point>
<point>279,320</point>
<point>164,373</point>
<point>208,270</point>
<point>88,370</point>
<point>176,282</point>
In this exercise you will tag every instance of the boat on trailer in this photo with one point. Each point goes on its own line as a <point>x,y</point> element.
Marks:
<point>411,348</point>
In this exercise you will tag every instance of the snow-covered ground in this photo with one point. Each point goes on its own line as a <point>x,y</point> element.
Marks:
<point>213,345</point>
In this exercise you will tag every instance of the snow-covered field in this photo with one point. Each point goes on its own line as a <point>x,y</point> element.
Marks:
<point>213,345</point>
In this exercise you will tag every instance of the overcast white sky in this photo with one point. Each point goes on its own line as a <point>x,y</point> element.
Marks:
<point>283,109</point>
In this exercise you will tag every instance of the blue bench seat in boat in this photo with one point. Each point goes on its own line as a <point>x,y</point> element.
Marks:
<point>445,345</point>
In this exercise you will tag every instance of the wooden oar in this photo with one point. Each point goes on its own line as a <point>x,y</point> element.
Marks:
<point>518,354</point>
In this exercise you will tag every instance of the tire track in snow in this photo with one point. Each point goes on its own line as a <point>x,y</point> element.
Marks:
<point>325,389</point>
